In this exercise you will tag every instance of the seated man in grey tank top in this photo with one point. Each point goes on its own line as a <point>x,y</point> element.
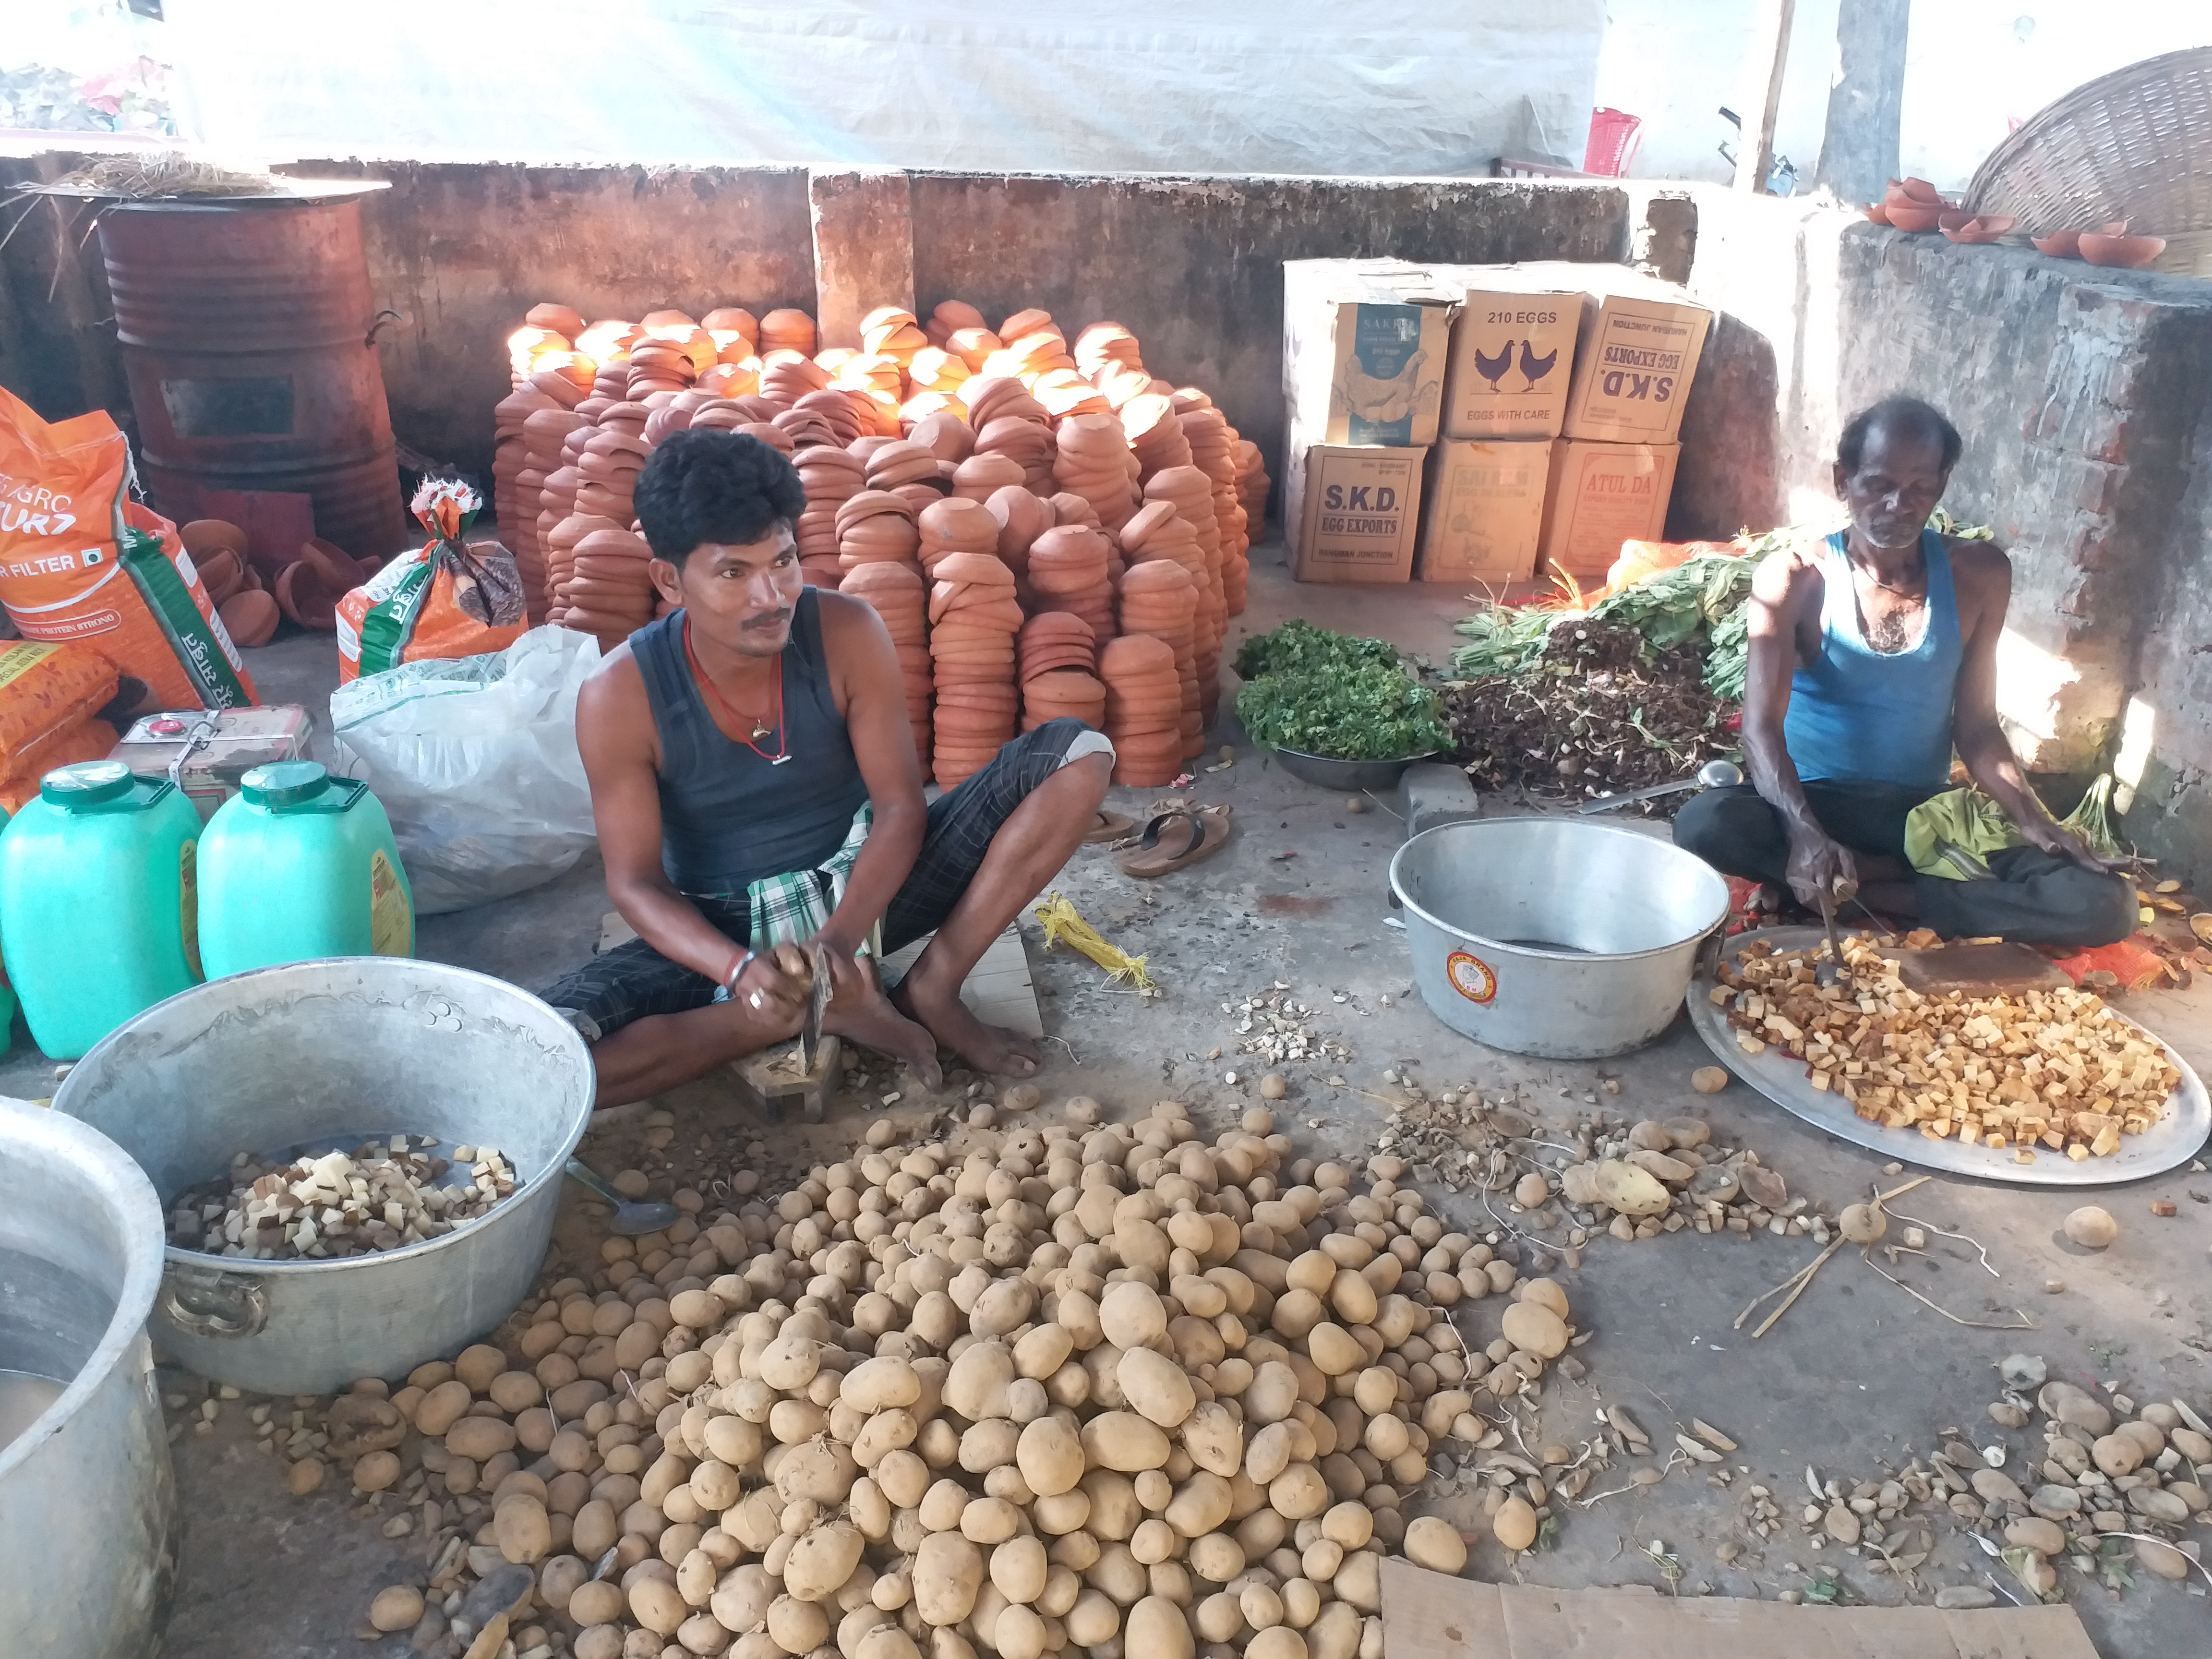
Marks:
<point>756,787</point>
<point>1872,659</point>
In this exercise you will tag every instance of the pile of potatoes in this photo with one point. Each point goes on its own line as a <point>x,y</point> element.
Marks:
<point>1099,1388</point>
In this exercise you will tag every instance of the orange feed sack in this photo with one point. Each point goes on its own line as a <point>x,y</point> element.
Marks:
<point>44,687</point>
<point>80,740</point>
<point>80,561</point>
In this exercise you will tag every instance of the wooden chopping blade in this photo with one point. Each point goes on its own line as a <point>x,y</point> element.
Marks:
<point>817,1000</point>
<point>1979,970</point>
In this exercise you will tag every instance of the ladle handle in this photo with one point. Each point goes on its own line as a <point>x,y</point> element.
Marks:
<point>583,1176</point>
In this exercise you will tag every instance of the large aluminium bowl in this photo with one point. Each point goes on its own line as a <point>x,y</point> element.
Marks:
<point>335,1049</point>
<point>1555,936</point>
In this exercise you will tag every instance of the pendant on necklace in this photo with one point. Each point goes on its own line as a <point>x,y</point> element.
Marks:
<point>778,760</point>
<point>759,732</point>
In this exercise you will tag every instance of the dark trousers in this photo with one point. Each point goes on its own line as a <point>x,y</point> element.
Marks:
<point>2032,896</point>
<point>633,980</point>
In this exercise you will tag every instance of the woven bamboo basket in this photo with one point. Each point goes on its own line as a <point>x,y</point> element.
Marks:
<point>2136,144</point>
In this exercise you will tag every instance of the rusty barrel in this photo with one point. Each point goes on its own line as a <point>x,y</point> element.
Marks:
<point>245,328</point>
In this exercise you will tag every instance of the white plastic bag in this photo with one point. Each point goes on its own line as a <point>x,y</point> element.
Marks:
<point>475,760</point>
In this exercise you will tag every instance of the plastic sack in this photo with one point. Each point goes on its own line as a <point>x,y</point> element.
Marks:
<point>451,598</point>
<point>79,561</point>
<point>475,760</point>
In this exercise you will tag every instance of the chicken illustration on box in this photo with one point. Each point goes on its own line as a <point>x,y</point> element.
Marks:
<point>1535,369</point>
<point>1493,368</point>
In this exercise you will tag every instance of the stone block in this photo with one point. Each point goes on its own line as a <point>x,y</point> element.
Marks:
<point>863,222</point>
<point>1431,792</point>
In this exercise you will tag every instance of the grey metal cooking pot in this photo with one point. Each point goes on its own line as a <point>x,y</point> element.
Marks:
<point>87,1503</point>
<point>261,1062</point>
<point>1555,936</point>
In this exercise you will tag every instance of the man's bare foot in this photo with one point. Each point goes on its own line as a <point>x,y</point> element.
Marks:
<point>867,1017</point>
<point>987,1049</point>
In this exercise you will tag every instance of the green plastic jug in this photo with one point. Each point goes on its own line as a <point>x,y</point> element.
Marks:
<point>299,865</point>
<point>97,907</point>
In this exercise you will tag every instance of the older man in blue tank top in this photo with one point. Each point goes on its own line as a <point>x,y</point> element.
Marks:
<point>755,784</point>
<point>1872,659</point>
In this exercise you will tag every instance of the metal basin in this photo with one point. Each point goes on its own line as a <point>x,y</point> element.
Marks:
<point>337,1049</point>
<point>87,1503</point>
<point>1554,936</point>
<point>1347,773</point>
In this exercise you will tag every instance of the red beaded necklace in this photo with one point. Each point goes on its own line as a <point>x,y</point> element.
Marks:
<point>737,719</point>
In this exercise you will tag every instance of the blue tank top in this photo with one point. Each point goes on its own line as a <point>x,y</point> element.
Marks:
<point>1861,715</point>
<point>728,816</point>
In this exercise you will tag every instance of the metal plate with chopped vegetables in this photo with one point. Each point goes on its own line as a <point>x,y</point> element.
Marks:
<point>2175,1138</point>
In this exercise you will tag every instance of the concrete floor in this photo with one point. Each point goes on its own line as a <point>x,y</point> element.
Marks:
<point>1858,1377</point>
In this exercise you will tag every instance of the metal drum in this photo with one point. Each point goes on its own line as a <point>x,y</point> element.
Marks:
<point>87,1503</point>
<point>333,1051</point>
<point>1555,936</point>
<point>247,330</point>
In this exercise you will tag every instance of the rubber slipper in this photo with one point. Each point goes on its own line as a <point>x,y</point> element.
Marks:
<point>1198,832</point>
<point>1110,826</point>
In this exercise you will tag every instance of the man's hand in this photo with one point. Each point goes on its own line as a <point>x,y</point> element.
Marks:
<point>2056,839</point>
<point>1818,865</point>
<point>848,975</point>
<point>775,983</point>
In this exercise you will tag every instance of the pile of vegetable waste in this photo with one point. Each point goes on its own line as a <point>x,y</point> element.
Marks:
<point>1321,693</point>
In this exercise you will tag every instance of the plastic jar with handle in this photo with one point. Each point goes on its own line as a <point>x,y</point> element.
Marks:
<point>97,902</point>
<point>297,866</point>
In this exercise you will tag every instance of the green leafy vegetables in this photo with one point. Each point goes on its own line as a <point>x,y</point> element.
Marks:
<point>1322,693</point>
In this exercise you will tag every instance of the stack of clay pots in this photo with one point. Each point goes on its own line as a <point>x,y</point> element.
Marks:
<point>845,418</point>
<point>784,378</point>
<point>1155,435</point>
<point>934,369</point>
<point>662,362</point>
<point>1213,451</point>
<point>949,318</point>
<point>1104,343</point>
<point>1143,709</point>
<point>509,453</point>
<point>1058,671</point>
<point>543,435</point>
<point>954,526</point>
<point>1191,492</point>
<point>787,331</point>
<point>946,435</point>
<point>892,332</point>
<point>973,617</point>
<point>1094,462</point>
<point>831,477</point>
<point>876,528</point>
<point>973,346</point>
<point>1160,598</point>
<point>901,598</point>
<point>1022,518</point>
<point>1067,571</point>
<point>1252,483</point>
<point>1008,422</point>
<point>982,476</point>
<point>609,593</point>
<point>1064,392</point>
<point>910,471</point>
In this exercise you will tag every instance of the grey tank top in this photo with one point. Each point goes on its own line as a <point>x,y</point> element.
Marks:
<point>728,816</point>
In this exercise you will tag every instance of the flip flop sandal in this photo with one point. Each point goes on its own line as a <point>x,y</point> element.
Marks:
<point>1206,834</point>
<point>1110,826</point>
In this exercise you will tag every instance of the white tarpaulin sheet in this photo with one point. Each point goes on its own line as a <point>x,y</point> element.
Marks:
<point>1199,86</point>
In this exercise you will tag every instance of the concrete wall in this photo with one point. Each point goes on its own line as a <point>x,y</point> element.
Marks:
<point>1193,266</point>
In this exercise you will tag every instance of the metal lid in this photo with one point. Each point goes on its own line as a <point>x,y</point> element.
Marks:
<point>87,783</point>
<point>279,784</point>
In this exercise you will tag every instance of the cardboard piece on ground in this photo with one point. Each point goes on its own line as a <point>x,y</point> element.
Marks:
<point>1513,360</point>
<point>1483,518</point>
<point>1364,344</point>
<point>1601,496</point>
<point>1352,512</point>
<point>1430,1616</point>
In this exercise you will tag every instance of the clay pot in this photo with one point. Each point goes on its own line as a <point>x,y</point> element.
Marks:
<point>250,617</point>
<point>1914,218</point>
<point>1878,211</point>
<point>302,596</point>
<point>2123,252</point>
<point>2059,245</point>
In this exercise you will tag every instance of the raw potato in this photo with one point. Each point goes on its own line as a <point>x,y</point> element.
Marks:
<point>397,1608</point>
<point>1514,1523</point>
<point>2092,1226</point>
<point>1050,1457</point>
<point>1863,1223</point>
<point>1124,1441</point>
<point>948,1571</point>
<point>1534,1328</point>
<point>1435,1544</point>
<point>1634,1192</point>
<point>1157,1387</point>
<point>1155,1626</point>
<point>1708,1079</point>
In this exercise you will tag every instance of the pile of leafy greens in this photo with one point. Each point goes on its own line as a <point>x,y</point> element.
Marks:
<point>1321,693</point>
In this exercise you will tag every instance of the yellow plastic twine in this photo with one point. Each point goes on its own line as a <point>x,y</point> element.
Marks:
<point>1062,921</point>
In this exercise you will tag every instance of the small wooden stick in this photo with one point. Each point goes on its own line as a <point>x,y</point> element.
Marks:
<point>1819,1263</point>
<point>1794,1279</point>
<point>1899,1192</point>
